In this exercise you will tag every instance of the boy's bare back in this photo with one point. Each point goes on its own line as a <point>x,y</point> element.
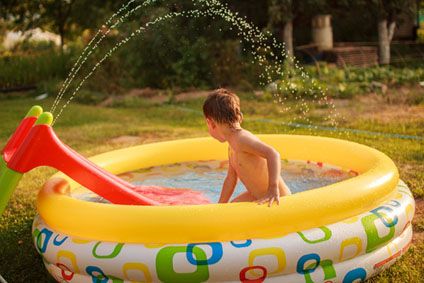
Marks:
<point>250,168</point>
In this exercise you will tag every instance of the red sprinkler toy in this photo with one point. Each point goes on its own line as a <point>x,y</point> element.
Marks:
<point>34,144</point>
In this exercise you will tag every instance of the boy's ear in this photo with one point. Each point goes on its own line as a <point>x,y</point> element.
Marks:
<point>211,122</point>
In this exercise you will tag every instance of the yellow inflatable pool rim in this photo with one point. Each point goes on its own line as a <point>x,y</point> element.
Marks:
<point>375,183</point>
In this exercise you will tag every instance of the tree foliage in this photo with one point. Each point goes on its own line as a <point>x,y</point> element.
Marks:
<point>64,17</point>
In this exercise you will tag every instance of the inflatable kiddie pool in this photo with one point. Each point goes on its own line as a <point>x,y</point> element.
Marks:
<point>343,232</point>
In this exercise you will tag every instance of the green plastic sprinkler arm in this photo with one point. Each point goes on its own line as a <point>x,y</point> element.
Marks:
<point>9,180</point>
<point>2,165</point>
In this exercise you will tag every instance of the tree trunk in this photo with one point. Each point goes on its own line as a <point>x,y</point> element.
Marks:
<point>60,25</point>
<point>62,39</point>
<point>385,35</point>
<point>288,38</point>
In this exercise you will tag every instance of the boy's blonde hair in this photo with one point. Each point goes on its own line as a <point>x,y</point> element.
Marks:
<point>223,107</point>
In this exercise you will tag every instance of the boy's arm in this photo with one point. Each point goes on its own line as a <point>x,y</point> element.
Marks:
<point>255,146</point>
<point>229,185</point>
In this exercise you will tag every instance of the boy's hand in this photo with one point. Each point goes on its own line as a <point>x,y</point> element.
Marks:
<point>272,195</point>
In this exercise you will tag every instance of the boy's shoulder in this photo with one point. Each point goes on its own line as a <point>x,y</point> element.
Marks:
<point>245,138</point>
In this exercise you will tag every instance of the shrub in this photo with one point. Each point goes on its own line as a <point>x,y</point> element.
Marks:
<point>345,83</point>
<point>25,70</point>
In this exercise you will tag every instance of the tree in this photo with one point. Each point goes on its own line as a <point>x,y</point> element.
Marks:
<point>389,12</point>
<point>63,17</point>
<point>61,10</point>
<point>283,12</point>
<point>281,15</point>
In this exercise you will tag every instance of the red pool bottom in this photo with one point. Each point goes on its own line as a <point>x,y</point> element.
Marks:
<point>172,196</point>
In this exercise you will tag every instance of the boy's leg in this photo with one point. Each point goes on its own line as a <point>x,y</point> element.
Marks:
<point>244,197</point>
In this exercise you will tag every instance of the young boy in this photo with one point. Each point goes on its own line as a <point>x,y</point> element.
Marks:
<point>255,163</point>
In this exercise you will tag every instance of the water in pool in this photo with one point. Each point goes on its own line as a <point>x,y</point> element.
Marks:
<point>205,179</point>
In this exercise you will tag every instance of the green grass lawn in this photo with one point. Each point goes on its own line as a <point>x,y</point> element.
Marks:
<point>92,130</point>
